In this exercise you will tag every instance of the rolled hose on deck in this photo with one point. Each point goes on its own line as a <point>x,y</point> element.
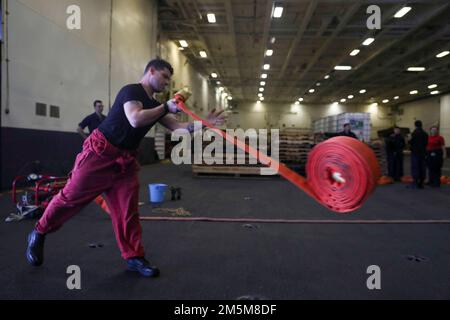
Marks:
<point>342,172</point>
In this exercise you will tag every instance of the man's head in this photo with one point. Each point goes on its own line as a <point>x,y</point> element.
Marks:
<point>98,106</point>
<point>397,130</point>
<point>347,127</point>
<point>434,130</point>
<point>157,74</point>
<point>418,124</point>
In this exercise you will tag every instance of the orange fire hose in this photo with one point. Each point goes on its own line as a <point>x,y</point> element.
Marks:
<point>342,172</point>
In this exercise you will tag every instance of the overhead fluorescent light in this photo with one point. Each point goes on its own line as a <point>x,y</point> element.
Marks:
<point>278,12</point>
<point>221,89</point>
<point>350,96</point>
<point>266,66</point>
<point>260,95</point>
<point>261,89</point>
<point>403,11</point>
<point>432,86</point>
<point>264,76</point>
<point>318,84</point>
<point>214,75</point>
<point>385,101</point>
<point>416,69</point>
<point>269,52</point>
<point>258,102</point>
<point>343,68</point>
<point>180,48</point>
<point>442,54</point>
<point>211,17</point>
<point>362,91</point>
<point>203,54</point>
<point>311,90</point>
<point>261,98</point>
<point>297,103</point>
<point>354,52</point>
<point>396,97</point>
<point>230,98</point>
<point>272,40</point>
<point>343,100</point>
<point>434,92</point>
<point>183,43</point>
<point>218,82</point>
<point>262,83</point>
<point>300,99</point>
<point>327,77</point>
<point>414,92</point>
<point>368,41</point>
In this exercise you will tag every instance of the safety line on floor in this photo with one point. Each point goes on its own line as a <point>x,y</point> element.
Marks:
<point>292,221</point>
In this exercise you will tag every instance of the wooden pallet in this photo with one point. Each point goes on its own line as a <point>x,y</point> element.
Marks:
<point>228,172</point>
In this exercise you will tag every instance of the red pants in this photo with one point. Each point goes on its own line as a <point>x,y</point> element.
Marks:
<point>101,168</point>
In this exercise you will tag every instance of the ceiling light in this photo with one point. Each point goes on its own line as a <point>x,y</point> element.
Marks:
<point>261,89</point>
<point>262,83</point>
<point>335,103</point>
<point>343,68</point>
<point>183,43</point>
<point>318,84</point>
<point>258,102</point>
<point>272,40</point>
<point>180,48</point>
<point>214,75</point>
<point>311,90</point>
<point>385,101</point>
<point>211,17</point>
<point>218,82</point>
<point>432,86</point>
<point>414,92</point>
<point>230,98</point>
<point>326,77</point>
<point>434,92</point>
<point>261,98</point>
<point>278,12</point>
<point>400,13</point>
<point>297,103</point>
<point>442,54</point>
<point>416,69</point>
<point>343,100</point>
<point>266,67</point>
<point>300,99</point>
<point>354,52</point>
<point>368,41</point>
<point>350,96</point>
<point>396,97</point>
<point>264,76</point>
<point>269,52</point>
<point>260,95</point>
<point>362,91</point>
<point>203,54</point>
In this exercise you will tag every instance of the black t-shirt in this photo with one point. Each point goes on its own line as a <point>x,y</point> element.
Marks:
<point>116,127</point>
<point>92,121</point>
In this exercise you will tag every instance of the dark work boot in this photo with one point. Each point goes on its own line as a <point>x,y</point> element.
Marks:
<point>35,250</point>
<point>142,266</point>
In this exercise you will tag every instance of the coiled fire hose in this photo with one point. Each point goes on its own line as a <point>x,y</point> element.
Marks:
<point>341,172</point>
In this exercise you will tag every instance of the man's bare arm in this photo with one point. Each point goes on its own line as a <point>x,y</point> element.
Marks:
<point>138,117</point>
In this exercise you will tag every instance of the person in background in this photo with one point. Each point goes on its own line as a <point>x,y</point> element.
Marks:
<point>348,131</point>
<point>436,154</point>
<point>418,144</point>
<point>395,144</point>
<point>92,121</point>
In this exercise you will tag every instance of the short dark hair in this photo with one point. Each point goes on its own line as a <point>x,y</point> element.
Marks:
<point>97,101</point>
<point>346,124</point>
<point>418,124</point>
<point>159,64</point>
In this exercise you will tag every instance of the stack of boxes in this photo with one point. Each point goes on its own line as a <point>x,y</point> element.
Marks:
<point>360,124</point>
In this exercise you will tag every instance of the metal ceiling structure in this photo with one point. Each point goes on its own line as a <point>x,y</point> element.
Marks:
<point>308,41</point>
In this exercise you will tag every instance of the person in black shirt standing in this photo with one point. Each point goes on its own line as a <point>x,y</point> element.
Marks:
<point>347,132</point>
<point>418,144</point>
<point>108,165</point>
<point>395,144</point>
<point>92,121</point>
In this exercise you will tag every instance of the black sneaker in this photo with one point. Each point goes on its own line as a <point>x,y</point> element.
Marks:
<point>142,266</point>
<point>35,250</point>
